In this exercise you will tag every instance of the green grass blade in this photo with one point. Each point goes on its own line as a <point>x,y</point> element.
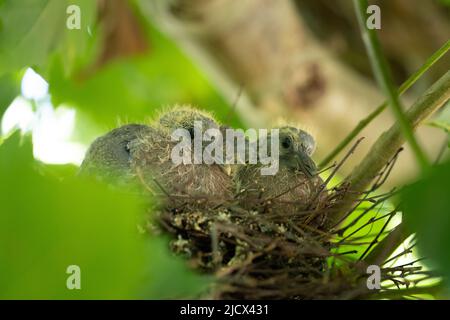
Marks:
<point>384,79</point>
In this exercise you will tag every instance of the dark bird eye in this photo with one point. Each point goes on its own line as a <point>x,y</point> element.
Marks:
<point>286,143</point>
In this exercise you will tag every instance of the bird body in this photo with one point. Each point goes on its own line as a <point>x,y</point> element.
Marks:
<point>108,157</point>
<point>296,185</point>
<point>184,117</point>
<point>142,155</point>
<point>195,185</point>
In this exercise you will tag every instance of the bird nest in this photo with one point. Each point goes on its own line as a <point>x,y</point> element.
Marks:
<point>263,252</point>
<point>290,235</point>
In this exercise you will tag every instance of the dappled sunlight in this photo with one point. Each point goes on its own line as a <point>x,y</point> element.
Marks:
<point>52,136</point>
<point>52,129</point>
<point>18,115</point>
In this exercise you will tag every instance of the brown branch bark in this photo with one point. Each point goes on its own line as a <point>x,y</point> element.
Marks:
<point>264,46</point>
<point>389,142</point>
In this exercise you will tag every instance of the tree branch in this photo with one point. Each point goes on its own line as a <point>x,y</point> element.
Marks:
<point>386,246</point>
<point>400,293</point>
<point>384,78</point>
<point>390,141</point>
<point>403,88</point>
<point>265,47</point>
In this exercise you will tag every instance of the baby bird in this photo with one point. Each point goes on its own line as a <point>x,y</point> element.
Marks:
<point>295,184</point>
<point>109,157</point>
<point>185,117</point>
<point>197,185</point>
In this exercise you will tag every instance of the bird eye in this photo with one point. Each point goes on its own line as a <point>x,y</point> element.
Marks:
<point>286,143</point>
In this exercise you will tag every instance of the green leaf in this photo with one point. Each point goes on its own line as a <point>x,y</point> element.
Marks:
<point>47,225</point>
<point>134,89</point>
<point>34,34</point>
<point>9,90</point>
<point>445,2</point>
<point>365,223</point>
<point>444,125</point>
<point>383,76</point>
<point>427,212</point>
<point>51,221</point>
<point>169,278</point>
<point>32,30</point>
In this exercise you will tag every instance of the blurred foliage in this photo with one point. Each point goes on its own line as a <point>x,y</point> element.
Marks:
<point>51,221</point>
<point>167,277</point>
<point>34,30</point>
<point>406,35</point>
<point>122,90</point>
<point>132,89</point>
<point>426,211</point>
<point>49,218</point>
<point>9,89</point>
<point>362,226</point>
<point>48,225</point>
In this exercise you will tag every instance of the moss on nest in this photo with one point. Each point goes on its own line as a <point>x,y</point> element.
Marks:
<point>264,256</point>
<point>279,254</point>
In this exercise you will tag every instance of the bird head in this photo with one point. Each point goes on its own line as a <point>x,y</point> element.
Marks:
<point>109,156</point>
<point>184,117</point>
<point>296,146</point>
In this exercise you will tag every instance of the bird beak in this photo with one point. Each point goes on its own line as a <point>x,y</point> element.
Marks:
<point>305,164</point>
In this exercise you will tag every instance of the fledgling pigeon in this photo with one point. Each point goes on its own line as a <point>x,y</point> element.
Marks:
<point>204,185</point>
<point>142,155</point>
<point>109,158</point>
<point>292,188</point>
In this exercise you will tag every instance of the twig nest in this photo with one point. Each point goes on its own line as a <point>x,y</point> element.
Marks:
<point>261,236</point>
<point>252,255</point>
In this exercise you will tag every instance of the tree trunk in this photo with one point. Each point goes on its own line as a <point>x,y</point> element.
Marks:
<point>265,47</point>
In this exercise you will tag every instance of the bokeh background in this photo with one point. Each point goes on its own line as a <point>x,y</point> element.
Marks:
<point>252,63</point>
